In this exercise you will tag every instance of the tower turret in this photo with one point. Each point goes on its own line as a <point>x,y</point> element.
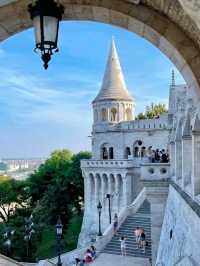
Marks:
<point>172,107</point>
<point>113,102</point>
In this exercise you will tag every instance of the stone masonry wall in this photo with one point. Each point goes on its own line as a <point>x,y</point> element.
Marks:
<point>182,224</point>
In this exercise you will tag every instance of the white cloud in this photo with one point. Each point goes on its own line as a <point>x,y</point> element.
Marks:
<point>2,53</point>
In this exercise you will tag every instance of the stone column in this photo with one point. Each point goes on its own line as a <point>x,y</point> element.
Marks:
<point>172,157</point>
<point>127,189</point>
<point>117,193</point>
<point>104,202</point>
<point>178,151</point>
<point>96,192</point>
<point>157,192</point>
<point>196,157</point>
<point>103,192</point>
<point>186,160</point>
<point>87,192</point>
<point>178,159</point>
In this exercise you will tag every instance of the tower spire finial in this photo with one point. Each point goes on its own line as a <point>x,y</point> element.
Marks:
<point>113,86</point>
<point>173,78</point>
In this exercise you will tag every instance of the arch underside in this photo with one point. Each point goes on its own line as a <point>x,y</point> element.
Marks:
<point>163,23</point>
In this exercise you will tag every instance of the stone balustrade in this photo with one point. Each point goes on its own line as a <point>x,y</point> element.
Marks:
<point>108,163</point>
<point>155,171</point>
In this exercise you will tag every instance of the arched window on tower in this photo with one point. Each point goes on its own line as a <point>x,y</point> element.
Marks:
<point>127,152</point>
<point>104,114</point>
<point>113,115</point>
<point>128,114</point>
<point>96,115</point>
<point>111,153</point>
<point>136,152</point>
<point>143,152</point>
<point>104,153</point>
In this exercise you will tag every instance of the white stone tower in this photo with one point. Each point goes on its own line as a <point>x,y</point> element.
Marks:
<point>113,103</point>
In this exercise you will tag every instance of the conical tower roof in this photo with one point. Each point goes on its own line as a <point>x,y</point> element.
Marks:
<point>114,86</point>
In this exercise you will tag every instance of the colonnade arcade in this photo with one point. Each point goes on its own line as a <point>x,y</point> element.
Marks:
<point>97,186</point>
<point>185,152</point>
<point>113,113</point>
<point>138,149</point>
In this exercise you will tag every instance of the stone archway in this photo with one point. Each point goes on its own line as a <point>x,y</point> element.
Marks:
<point>166,24</point>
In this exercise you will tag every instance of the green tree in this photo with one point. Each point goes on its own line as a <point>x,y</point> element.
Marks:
<point>153,111</point>
<point>56,188</point>
<point>12,196</point>
<point>53,170</point>
<point>140,116</point>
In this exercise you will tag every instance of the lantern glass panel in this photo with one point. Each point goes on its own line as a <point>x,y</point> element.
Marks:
<point>50,29</point>
<point>50,25</point>
<point>37,29</point>
<point>59,230</point>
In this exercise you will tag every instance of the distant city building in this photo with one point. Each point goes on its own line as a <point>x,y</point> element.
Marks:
<point>19,168</point>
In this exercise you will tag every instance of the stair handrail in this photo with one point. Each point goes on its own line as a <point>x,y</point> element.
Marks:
<point>10,261</point>
<point>137,203</point>
<point>69,257</point>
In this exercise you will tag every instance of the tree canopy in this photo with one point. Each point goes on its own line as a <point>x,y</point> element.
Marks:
<point>55,189</point>
<point>152,111</point>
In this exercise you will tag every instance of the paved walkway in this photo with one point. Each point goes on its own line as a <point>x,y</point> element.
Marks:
<point>117,260</point>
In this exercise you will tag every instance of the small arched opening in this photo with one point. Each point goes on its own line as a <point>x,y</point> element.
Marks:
<point>104,152</point>
<point>128,114</point>
<point>143,152</point>
<point>113,115</point>
<point>136,152</point>
<point>127,152</point>
<point>104,114</point>
<point>96,117</point>
<point>111,153</point>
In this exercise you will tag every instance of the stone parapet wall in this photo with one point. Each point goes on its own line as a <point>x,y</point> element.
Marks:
<point>180,241</point>
<point>155,171</point>
<point>147,124</point>
<point>5,261</point>
<point>108,163</point>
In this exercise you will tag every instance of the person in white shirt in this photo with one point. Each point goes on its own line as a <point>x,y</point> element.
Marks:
<point>123,245</point>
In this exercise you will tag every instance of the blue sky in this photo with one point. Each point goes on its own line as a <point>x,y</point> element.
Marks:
<point>41,111</point>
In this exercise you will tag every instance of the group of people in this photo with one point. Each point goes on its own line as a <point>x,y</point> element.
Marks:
<point>89,257</point>
<point>157,156</point>
<point>140,237</point>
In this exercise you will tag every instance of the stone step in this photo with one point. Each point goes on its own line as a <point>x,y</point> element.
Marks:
<point>140,219</point>
<point>129,253</point>
<point>129,245</point>
<point>135,224</point>
<point>132,228</point>
<point>130,239</point>
<point>133,250</point>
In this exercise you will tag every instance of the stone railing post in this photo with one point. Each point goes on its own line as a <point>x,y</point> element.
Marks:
<point>172,157</point>
<point>127,189</point>
<point>195,157</point>
<point>186,160</point>
<point>156,192</point>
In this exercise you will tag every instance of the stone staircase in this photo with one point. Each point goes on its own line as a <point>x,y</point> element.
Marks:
<point>141,219</point>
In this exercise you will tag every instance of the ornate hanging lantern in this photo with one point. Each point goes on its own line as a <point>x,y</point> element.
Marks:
<point>46,15</point>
